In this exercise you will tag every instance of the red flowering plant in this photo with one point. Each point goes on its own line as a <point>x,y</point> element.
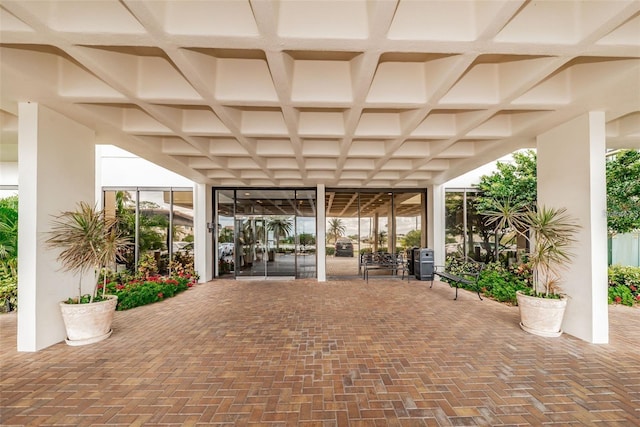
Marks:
<point>624,285</point>
<point>136,292</point>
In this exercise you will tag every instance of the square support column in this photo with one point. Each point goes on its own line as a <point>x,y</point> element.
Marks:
<point>435,222</point>
<point>321,234</point>
<point>57,170</point>
<point>203,237</point>
<point>572,174</point>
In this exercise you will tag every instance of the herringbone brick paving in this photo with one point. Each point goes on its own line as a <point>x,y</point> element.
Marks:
<point>340,353</point>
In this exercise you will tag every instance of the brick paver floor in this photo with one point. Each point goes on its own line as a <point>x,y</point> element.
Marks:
<point>340,353</point>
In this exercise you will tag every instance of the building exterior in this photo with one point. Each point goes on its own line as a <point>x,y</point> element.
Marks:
<point>311,111</point>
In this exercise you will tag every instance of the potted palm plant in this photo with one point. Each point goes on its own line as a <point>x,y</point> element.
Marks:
<point>551,234</point>
<point>88,241</point>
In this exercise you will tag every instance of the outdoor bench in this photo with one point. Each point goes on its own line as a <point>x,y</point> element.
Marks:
<point>382,261</point>
<point>469,276</point>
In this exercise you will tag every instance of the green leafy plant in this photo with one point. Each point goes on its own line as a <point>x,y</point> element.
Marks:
<point>624,285</point>
<point>501,283</point>
<point>87,239</point>
<point>550,233</point>
<point>135,293</point>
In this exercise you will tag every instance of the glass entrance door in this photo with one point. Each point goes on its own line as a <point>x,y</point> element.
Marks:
<point>265,246</point>
<point>266,233</point>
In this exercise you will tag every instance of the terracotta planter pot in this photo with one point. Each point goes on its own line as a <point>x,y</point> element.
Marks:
<point>541,316</point>
<point>88,323</point>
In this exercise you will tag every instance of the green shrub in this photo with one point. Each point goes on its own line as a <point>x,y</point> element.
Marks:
<point>8,284</point>
<point>502,283</point>
<point>330,250</point>
<point>624,285</point>
<point>136,293</point>
<point>495,281</point>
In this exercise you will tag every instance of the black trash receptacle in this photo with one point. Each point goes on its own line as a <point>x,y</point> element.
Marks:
<point>411,260</point>
<point>423,263</point>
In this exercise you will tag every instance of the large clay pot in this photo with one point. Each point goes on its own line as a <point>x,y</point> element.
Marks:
<point>88,323</point>
<point>541,316</point>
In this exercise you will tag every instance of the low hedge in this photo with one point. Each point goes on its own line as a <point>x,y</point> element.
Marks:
<point>135,293</point>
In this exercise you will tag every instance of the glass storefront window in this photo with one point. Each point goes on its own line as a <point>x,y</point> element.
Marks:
<point>158,222</point>
<point>370,221</point>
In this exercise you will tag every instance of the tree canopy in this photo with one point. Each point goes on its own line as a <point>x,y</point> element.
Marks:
<point>623,192</point>
<point>514,183</point>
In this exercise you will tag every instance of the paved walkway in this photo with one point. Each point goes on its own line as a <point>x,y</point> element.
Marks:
<point>335,354</point>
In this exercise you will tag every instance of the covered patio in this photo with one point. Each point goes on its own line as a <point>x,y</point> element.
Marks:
<point>340,353</point>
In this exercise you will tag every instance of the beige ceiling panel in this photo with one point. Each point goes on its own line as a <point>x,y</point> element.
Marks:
<point>434,20</point>
<point>397,165</point>
<point>437,125</point>
<point>202,121</point>
<point>396,82</point>
<point>458,150</point>
<point>378,183</point>
<point>11,23</point>
<point>350,183</point>
<point>218,174</point>
<point>497,126</point>
<point>413,149</point>
<point>291,183</point>
<point>324,19</point>
<point>240,163</point>
<point>77,82</point>
<point>202,163</point>
<point>367,148</point>
<point>321,124</point>
<point>158,79</point>
<point>320,148</point>
<point>624,35</point>
<point>103,17</point>
<point>435,165</point>
<point>479,86</point>
<point>558,22</point>
<point>321,163</point>
<point>178,147</point>
<point>420,175</point>
<point>358,164</point>
<point>625,126</point>
<point>379,124</point>
<point>207,18</point>
<point>321,81</point>
<point>274,147</point>
<point>258,123</point>
<point>354,175</point>
<point>390,175</point>
<point>253,174</point>
<point>282,163</point>
<point>244,80</point>
<point>227,147</point>
<point>553,90</point>
<point>322,174</point>
<point>232,183</point>
<point>119,63</point>
<point>137,121</point>
<point>287,174</point>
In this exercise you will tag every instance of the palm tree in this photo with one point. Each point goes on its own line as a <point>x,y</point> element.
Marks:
<point>88,240</point>
<point>336,229</point>
<point>280,226</point>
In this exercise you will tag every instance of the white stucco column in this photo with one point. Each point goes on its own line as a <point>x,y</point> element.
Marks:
<point>203,237</point>
<point>57,170</point>
<point>321,234</point>
<point>571,174</point>
<point>435,222</point>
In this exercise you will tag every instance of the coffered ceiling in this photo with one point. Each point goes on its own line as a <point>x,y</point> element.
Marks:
<point>353,93</point>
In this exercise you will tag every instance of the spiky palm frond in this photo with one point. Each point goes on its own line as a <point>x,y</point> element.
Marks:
<point>87,239</point>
